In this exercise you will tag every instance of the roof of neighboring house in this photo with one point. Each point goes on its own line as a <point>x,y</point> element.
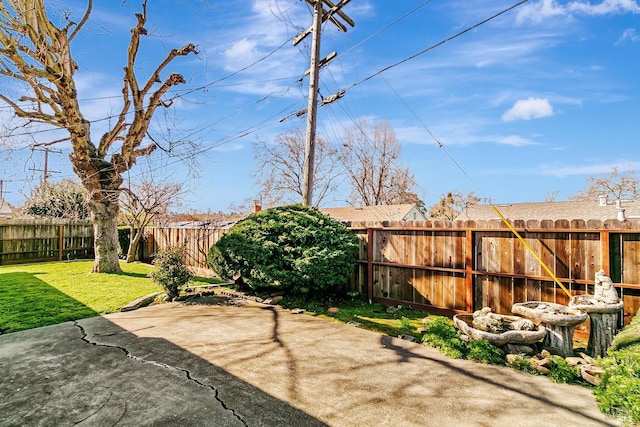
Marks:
<point>5,209</point>
<point>596,209</point>
<point>198,224</point>
<point>374,213</point>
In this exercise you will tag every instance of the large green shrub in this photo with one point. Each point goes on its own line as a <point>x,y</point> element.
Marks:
<point>290,247</point>
<point>170,270</point>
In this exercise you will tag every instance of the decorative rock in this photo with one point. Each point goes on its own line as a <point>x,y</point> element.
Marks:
<point>575,361</point>
<point>267,301</point>
<point>463,323</point>
<point>297,311</point>
<point>587,374</point>
<point>588,359</point>
<point>354,324</point>
<point>519,349</point>
<point>276,299</point>
<point>333,310</point>
<point>542,362</point>
<point>407,337</point>
<point>542,370</point>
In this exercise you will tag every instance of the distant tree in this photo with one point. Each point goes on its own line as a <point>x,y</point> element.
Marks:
<point>453,204</point>
<point>143,202</point>
<point>65,199</point>
<point>280,169</point>
<point>370,156</point>
<point>37,62</point>
<point>551,197</point>
<point>617,185</point>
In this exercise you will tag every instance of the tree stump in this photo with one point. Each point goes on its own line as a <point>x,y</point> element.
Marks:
<point>603,329</point>
<point>559,339</point>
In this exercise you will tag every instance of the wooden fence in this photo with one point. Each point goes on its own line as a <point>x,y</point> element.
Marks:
<point>460,267</point>
<point>450,267</point>
<point>28,241</point>
<point>196,240</point>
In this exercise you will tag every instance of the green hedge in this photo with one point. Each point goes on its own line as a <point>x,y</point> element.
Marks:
<point>290,248</point>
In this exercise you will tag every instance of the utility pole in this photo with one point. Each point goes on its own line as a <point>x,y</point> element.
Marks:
<point>319,16</point>
<point>46,173</point>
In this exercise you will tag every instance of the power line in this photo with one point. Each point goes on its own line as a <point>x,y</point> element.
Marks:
<point>440,43</point>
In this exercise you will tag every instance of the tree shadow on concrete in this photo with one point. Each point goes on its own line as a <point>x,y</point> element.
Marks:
<point>94,372</point>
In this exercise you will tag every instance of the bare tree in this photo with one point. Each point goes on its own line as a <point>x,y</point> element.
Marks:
<point>280,169</point>
<point>370,155</point>
<point>617,185</point>
<point>142,203</point>
<point>37,53</point>
<point>452,204</point>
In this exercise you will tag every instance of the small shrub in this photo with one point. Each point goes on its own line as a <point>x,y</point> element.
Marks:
<point>523,364</point>
<point>442,335</point>
<point>561,371</point>
<point>484,352</point>
<point>170,270</point>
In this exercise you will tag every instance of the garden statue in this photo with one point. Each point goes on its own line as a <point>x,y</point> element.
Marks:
<point>605,292</point>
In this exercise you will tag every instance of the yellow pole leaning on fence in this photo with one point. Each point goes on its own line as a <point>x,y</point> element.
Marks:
<point>526,245</point>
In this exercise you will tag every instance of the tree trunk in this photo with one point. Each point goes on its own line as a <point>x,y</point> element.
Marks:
<point>105,232</point>
<point>133,244</point>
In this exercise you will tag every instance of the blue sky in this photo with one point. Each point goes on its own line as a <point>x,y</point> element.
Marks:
<point>530,103</point>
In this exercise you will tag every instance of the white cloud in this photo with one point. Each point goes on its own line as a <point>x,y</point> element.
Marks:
<point>596,169</point>
<point>629,34</point>
<point>539,11</point>
<point>606,7</point>
<point>515,141</point>
<point>527,109</point>
<point>544,9</point>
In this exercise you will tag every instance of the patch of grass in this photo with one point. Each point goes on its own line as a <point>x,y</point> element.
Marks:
<point>373,317</point>
<point>442,335</point>
<point>37,295</point>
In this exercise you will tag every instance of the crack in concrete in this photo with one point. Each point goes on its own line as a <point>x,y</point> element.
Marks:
<point>186,372</point>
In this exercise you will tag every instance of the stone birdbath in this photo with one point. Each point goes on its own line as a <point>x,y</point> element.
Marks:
<point>559,320</point>
<point>507,333</point>
<point>603,308</point>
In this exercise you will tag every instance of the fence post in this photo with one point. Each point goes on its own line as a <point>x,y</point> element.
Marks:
<point>60,241</point>
<point>468,264</point>
<point>605,252</point>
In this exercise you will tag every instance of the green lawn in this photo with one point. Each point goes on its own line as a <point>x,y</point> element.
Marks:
<point>44,294</point>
